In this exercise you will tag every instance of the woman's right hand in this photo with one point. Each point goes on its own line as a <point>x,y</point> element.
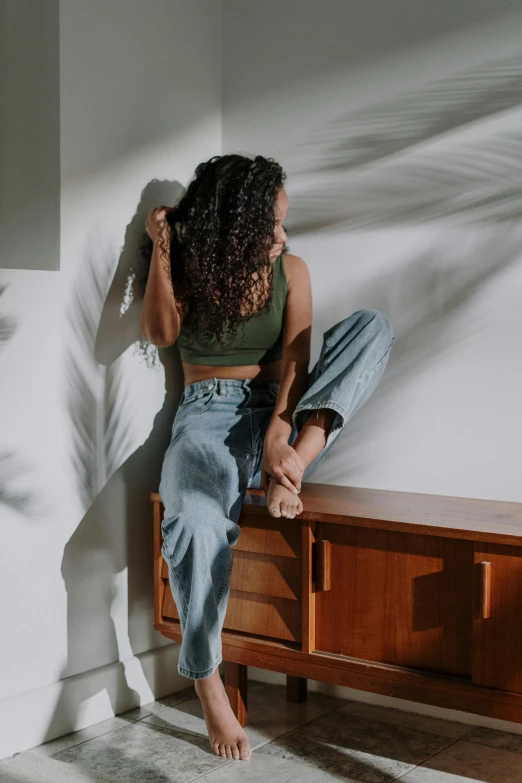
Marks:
<point>157,225</point>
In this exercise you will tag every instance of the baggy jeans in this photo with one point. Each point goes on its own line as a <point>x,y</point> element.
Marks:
<point>215,454</point>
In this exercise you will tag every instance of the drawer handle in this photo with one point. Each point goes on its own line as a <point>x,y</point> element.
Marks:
<point>324,562</point>
<point>485,590</point>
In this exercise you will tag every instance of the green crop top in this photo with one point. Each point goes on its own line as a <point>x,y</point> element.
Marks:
<point>263,334</point>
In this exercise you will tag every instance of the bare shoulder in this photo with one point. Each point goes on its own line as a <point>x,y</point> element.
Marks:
<point>298,308</point>
<point>295,267</point>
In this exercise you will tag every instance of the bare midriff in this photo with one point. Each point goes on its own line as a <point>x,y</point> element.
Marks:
<point>201,372</point>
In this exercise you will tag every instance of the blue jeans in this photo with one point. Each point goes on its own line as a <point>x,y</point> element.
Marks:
<point>215,454</point>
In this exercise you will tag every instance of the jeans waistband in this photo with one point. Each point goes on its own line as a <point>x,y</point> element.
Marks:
<point>226,386</point>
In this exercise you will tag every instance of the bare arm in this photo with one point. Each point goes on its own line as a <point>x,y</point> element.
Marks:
<point>280,459</point>
<point>160,316</point>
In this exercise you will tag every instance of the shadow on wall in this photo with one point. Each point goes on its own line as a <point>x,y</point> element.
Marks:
<point>448,153</point>
<point>424,300</point>
<point>115,535</point>
<point>12,468</point>
<point>451,149</point>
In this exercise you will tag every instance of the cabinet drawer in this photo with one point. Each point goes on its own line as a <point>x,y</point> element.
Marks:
<point>269,536</point>
<point>279,577</point>
<point>276,618</point>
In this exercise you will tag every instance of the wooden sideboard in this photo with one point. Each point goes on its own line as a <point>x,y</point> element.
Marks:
<point>408,595</point>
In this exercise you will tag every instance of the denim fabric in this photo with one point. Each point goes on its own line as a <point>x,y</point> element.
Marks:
<point>215,454</point>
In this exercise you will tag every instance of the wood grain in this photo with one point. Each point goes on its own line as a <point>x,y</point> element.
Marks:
<point>277,618</point>
<point>441,515</point>
<point>400,599</point>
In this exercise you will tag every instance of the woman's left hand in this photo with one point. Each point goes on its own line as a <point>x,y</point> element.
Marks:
<point>282,462</point>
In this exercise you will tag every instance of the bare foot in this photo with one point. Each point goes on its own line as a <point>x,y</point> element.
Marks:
<point>226,735</point>
<point>281,502</point>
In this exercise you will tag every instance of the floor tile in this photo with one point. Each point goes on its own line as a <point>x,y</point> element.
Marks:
<point>146,753</point>
<point>262,768</point>
<point>151,707</point>
<point>323,740</point>
<point>270,715</point>
<point>77,737</point>
<point>175,698</point>
<point>357,748</point>
<point>496,739</point>
<point>467,762</point>
<point>443,728</point>
<point>25,768</point>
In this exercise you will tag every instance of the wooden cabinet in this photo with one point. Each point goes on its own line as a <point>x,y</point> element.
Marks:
<point>407,595</point>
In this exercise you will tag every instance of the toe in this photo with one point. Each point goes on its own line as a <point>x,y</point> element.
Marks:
<point>228,750</point>
<point>223,751</point>
<point>275,511</point>
<point>244,750</point>
<point>235,751</point>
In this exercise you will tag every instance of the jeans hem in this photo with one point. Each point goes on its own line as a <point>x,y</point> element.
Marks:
<point>316,406</point>
<point>199,675</point>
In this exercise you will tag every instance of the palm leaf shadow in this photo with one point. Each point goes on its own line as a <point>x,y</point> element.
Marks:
<point>97,401</point>
<point>12,468</point>
<point>418,157</point>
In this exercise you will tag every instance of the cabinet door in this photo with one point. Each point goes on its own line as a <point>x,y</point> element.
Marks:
<point>497,627</point>
<point>397,598</point>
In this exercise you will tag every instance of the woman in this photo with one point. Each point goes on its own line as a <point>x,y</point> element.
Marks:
<point>222,286</point>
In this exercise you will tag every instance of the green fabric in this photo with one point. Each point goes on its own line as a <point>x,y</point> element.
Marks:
<point>259,340</point>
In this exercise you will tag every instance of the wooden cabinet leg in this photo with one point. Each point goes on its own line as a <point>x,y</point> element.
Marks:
<point>236,688</point>
<point>296,690</point>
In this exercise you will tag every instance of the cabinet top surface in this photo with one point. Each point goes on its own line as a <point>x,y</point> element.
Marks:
<point>489,520</point>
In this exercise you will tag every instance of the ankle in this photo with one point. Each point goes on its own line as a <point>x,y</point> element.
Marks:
<point>313,435</point>
<point>204,684</point>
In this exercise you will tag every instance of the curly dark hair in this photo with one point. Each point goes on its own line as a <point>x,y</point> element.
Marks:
<point>220,263</point>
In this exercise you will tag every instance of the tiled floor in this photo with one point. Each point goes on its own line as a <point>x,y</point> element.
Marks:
<point>323,740</point>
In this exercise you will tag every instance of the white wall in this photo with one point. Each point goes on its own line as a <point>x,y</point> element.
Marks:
<point>400,127</point>
<point>83,423</point>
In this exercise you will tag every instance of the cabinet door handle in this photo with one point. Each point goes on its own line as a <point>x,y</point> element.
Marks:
<point>323,575</point>
<point>485,590</point>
